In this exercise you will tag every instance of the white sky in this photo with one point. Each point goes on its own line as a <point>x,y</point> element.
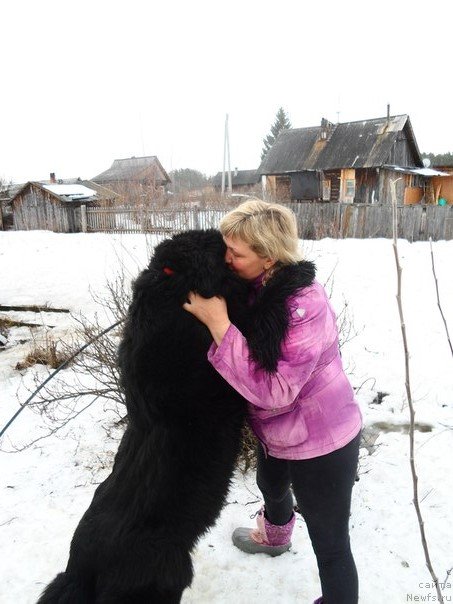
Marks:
<point>83,83</point>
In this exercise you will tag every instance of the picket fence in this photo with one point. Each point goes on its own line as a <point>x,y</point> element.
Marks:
<point>315,220</point>
<point>160,222</point>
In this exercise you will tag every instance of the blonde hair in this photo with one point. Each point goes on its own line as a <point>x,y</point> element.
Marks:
<point>270,229</point>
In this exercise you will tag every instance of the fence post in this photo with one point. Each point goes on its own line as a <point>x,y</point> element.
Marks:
<point>197,217</point>
<point>83,210</point>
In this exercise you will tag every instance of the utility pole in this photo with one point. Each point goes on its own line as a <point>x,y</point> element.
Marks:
<point>226,154</point>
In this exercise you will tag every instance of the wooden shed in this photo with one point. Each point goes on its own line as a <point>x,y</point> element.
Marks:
<point>53,205</point>
<point>344,162</point>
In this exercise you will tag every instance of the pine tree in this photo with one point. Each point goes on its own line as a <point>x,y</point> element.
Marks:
<point>281,123</point>
<point>439,159</point>
<point>187,179</point>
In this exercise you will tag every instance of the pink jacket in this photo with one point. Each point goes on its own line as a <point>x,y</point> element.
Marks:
<point>307,407</point>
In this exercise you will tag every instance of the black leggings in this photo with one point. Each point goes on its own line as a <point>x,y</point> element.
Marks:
<point>322,487</point>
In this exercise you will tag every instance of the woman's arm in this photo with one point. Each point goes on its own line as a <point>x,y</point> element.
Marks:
<point>300,353</point>
<point>210,311</point>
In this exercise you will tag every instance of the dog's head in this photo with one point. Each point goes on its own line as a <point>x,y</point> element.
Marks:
<point>192,261</point>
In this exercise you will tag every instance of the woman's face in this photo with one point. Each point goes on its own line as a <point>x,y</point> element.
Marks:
<point>243,260</point>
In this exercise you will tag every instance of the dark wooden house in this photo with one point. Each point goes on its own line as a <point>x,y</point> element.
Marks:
<point>347,162</point>
<point>242,181</point>
<point>51,205</point>
<point>137,179</point>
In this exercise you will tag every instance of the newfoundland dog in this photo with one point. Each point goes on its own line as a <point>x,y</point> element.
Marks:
<point>176,458</point>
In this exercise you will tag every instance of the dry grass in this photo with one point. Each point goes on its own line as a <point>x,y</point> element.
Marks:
<point>6,323</point>
<point>45,354</point>
<point>247,456</point>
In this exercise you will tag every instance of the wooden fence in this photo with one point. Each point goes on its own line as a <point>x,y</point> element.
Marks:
<point>315,220</point>
<point>133,220</point>
<point>363,221</point>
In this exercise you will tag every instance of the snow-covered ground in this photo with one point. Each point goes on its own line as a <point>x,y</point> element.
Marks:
<point>46,488</point>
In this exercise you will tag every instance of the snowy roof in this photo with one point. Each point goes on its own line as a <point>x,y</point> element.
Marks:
<point>67,191</point>
<point>419,171</point>
<point>73,191</point>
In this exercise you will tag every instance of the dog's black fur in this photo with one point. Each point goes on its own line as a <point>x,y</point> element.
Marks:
<point>175,461</point>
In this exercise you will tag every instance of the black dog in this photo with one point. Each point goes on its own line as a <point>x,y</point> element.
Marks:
<point>175,461</point>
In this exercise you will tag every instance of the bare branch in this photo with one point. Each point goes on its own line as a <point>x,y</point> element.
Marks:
<point>95,373</point>
<point>416,500</point>
<point>438,297</point>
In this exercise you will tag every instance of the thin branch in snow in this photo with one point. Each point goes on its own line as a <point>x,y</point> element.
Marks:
<point>416,500</point>
<point>9,521</point>
<point>438,297</point>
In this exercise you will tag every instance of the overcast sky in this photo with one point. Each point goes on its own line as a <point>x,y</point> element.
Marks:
<point>85,82</point>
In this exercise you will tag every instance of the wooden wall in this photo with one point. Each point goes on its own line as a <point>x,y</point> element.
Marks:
<point>444,184</point>
<point>37,210</point>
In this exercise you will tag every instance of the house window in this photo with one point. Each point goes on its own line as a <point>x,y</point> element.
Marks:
<point>347,185</point>
<point>350,187</point>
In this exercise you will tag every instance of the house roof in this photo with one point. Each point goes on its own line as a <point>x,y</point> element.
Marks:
<point>238,178</point>
<point>360,144</point>
<point>446,167</point>
<point>71,190</point>
<point>419,171</point>
<point>101,191</point>
<point>132,168</point>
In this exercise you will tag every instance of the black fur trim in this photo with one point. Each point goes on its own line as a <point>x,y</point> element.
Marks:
<point>270,315</point>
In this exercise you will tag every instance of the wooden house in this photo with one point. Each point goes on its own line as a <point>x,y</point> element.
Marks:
<point>51,205</point>
<point>137,179</point>
<point>242,181</point>
<point>347,162</point>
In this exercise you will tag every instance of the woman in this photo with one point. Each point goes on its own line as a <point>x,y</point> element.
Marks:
<point>301,404</point>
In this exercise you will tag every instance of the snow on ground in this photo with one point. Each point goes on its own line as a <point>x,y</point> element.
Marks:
<point>46,488</point>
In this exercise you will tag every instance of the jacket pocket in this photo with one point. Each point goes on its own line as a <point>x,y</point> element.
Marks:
<point>282,428</point>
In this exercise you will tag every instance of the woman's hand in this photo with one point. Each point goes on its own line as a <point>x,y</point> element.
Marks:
<point>210,311</point>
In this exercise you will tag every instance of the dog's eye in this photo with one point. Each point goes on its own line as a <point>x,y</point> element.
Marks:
<point>168,271</point>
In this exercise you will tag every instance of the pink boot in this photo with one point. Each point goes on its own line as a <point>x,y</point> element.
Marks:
<point>267,538</point>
